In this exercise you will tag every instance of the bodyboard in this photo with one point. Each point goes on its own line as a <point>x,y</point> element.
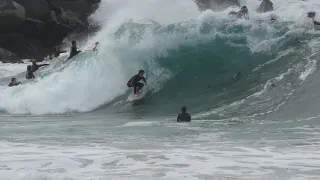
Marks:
<point>44,75</point>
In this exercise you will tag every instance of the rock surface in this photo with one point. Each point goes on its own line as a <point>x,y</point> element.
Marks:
<point>216,5</point>
<point>30,28</point>
<point>36,9</point>
<point>11,15</point>
<point>265,6</point>
<point>9,57</point>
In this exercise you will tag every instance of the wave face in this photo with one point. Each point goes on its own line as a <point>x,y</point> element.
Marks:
<point>191,58</point>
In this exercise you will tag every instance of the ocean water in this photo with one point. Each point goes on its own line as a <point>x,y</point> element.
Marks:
<point>262,124</point>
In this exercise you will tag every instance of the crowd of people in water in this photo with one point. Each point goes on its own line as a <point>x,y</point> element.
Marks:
<point>134,82</point>
<point>55,53</point>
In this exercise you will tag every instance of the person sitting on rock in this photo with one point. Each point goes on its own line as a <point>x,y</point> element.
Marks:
<point>14,82</point>
<point>184,116</point>
<point>29,74</point>
<point>241,13</point>
<point>312,16</point>
<point>73,50</point>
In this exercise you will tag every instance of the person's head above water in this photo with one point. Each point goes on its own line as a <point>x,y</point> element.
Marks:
<point>74,43</point>
<point>244,9</point>
<point>34,62</point>
<point>97,43</point>
<point>141,73</point>
<point>14,80</point>
<point>311,14</point>
<point>184,109</point>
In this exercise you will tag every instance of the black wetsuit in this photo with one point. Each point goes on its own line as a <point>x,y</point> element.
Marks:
<point>16,84</point>
<point>29,75</point>
<point>134,82</point>
<point>35,67</point>
<point>74,51</point>
<point>183,117</point>
<point>316,23</point>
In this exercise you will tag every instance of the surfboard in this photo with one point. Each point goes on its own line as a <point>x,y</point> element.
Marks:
<point>136,97</point>
<point>44,75</point>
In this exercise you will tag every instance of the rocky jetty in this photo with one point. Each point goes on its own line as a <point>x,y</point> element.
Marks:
<point>216,5</point>
<point>30,28</point>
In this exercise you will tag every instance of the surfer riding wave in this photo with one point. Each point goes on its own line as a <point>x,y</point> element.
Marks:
<point>134,82</point>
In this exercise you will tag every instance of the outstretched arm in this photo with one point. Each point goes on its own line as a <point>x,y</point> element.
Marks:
<point>43,65</point>
<point>144,79</point>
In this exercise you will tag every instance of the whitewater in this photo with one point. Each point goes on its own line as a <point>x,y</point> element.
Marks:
<point>251,86</point>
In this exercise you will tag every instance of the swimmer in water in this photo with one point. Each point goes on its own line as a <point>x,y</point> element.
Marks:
<point>184,116</point>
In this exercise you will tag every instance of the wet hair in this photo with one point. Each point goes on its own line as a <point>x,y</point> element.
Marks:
<point>97,43</point>
<point>29,68</point>
<point>73,42</point>
<point>184,109</point>
<point>12,79</point>
<point>141,71</point>
<point>34,62</point>
<point>244,7</point>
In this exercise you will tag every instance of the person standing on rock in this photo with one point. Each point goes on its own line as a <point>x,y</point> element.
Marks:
<point>73,50</point>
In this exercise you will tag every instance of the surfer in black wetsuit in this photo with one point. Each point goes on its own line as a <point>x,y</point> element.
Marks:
<point>14,82</point>
<point>29,74</point>
<point>36,66</point>
<point>184,116</point>
<point>73,50</point>
<point>95,48</point>
<point>312,15</point>
<point>134,82</point>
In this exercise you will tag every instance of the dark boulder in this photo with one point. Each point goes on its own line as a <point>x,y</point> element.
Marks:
<point>69,18</point>
<point>80,8</point>
<point>9,57</point>
<point>22,45</point>
<point>31,29</point>
<point>36,9</point>
<point>11,15</point>
<point>216,5</point>
<point>265,6</point>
